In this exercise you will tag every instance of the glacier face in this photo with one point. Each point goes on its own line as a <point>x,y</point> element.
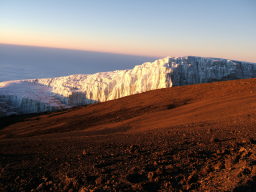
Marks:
<point>41,95</point>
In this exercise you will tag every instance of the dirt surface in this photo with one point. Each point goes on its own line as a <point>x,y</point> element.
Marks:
<point>190,138</point>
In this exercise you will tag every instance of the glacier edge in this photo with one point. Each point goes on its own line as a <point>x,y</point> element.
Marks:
<point>41,95</point>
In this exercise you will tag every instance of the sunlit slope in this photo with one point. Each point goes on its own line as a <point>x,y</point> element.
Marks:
<point>226,104</point>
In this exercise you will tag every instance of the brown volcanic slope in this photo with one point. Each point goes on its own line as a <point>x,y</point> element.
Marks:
<point>197,137</point>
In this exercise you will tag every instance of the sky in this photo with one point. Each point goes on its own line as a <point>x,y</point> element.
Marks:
<point>212,28</point>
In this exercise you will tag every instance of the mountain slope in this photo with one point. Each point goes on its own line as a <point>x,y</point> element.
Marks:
<point>40,95</point>
<point>189,138</point>
<point>214,103</point>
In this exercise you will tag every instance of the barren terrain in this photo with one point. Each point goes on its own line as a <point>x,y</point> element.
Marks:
<point>189,138</point>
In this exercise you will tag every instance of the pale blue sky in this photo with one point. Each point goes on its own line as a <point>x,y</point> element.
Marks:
<point>215,28</point>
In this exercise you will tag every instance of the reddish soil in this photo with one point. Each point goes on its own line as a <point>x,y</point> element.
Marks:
<point>190,138</point>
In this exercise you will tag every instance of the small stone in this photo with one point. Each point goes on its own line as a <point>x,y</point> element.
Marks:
<point>214,140</point>
<point>48,183</point>
<point>187,187</point>
<point>134,148</point>
<point>242,149</point>
<point>83,189</point>
<point>17,178</point>
<point>105,187</point>
<point>159,171</point>
<point>150,176</point>
<point>156,180</point>
<point>133,170</point>
<point>99,180</point>
<point>66,187</point>
<point>172,170</point>
<point>137,187</point>
<point>167,184</point>
<point>228,163</point>
<point>169,167</point>
<point>40,187</point>
<point>218,166</point>
<point>207,169</point>
<point>84,152</point>
<point>192,178</point>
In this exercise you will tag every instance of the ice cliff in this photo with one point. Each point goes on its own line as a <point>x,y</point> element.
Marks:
<point>40,95</point>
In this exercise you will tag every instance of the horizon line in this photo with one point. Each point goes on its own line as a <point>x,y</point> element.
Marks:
<point>121,53</point>
<point>75,49</point>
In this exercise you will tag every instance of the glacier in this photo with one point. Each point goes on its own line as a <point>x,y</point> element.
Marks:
<point>51,94</point>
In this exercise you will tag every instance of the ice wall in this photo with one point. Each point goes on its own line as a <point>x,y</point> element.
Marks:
<point>40,95</point>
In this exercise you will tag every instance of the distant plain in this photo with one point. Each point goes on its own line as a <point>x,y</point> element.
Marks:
<point>28,62</point>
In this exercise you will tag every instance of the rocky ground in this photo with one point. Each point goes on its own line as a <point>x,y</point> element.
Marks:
<point>128,150</point>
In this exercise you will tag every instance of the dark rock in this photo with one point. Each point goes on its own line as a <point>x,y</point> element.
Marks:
<point>137,187</point>
<point>136,178</point>
<point>134,149</point>
<point>48,183</point>
<point>214,140</point>
<point>91,179</point>
<point>192,178</point>
<point>253,141</point>
<point>246,171</point>
<point>99,180</point>
<point>133,170</point>
<point>150,186</point>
